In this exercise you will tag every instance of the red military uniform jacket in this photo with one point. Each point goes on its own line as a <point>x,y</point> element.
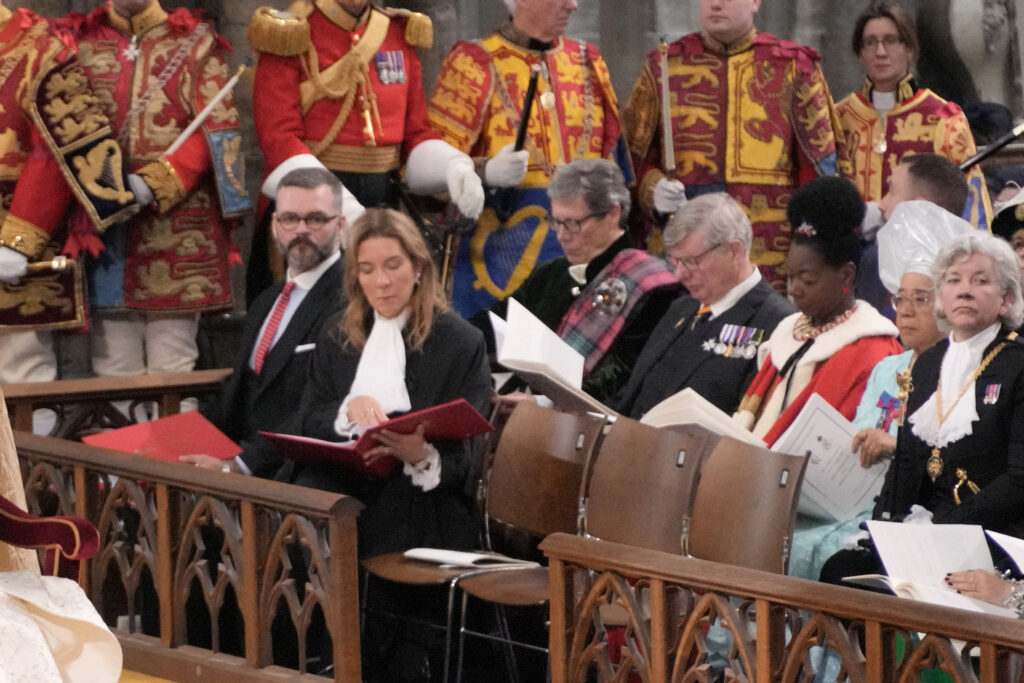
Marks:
<point>316,96</point>
<point>54,145</point>
<point>153,74</point>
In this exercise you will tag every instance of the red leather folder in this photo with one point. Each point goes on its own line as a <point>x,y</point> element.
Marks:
<point>168,437</point>
<point>452,421</point>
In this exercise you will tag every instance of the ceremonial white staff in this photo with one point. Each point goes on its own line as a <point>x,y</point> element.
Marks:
<point>668,154</point>
<point>207,110</point>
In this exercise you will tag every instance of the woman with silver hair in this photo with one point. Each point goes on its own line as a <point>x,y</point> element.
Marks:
<point>960,456</point>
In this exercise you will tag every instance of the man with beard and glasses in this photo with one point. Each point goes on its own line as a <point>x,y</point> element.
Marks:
<point>284,321</point>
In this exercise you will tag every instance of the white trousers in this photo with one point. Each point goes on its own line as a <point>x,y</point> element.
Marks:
<point>143,343</point>
<point>27,357</point>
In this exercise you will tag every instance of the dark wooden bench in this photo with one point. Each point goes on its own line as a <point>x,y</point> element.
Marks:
<point>775,621</point>
<point>172,535</point>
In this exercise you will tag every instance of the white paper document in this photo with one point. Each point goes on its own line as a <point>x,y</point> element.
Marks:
<point>530,344</point>
<point>917,558</point>
<point>835,485</point>
<point>458,558</point>
<point>544,361</point>
<point>1013,546</point>
<point>689,407</point>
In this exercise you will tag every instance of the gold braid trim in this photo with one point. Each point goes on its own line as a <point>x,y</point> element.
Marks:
<point>165,183</point>
<point>20,235</point>
<point>282,33</point>
<point>646,192</point>
<point>419,30</point>
<point>339,80</point>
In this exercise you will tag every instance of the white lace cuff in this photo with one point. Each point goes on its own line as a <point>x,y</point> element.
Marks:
<point>427,472</point>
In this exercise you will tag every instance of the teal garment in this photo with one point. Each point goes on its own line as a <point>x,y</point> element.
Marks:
<point>814,541</point>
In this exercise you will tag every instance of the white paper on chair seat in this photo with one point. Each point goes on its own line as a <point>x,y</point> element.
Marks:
<point>457,558</point>
<point>834,482</point>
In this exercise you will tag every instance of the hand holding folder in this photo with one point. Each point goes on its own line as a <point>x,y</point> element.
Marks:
<point>451,421</point>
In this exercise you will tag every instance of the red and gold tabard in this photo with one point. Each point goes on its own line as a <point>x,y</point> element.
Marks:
<point>477,106</point>
<point>54,145</point>
<point>754,119</point>
<point>920,123</point>
<point>347,90</point>
<point>153,73</point>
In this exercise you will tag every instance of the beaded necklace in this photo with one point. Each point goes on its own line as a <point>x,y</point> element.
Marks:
<point>804,329</point>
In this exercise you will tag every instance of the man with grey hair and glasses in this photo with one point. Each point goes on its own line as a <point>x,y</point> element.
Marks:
<point>708,340</point>
<point>603,297</point>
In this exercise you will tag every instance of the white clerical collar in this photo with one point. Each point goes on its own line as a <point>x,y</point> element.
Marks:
<point>307,279</point>
<point>735,294</point>
<point>883,102</point>
<point>578,273</point>
<point>959,406</point>
<point>977,344</point>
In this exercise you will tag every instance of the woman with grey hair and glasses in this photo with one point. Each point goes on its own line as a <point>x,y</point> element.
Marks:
<point>960,455</point>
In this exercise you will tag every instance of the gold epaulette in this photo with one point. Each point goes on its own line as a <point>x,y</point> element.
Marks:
<point>281,32</point>
<point>419,30</point>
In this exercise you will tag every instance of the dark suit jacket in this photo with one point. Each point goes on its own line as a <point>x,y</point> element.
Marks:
<point>992,455</point>
<point>674,358</point>
<point>250,402</point>
<point>451,364</point>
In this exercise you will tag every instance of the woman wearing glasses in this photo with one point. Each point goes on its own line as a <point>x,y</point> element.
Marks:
<point>890,117</point>
<point>603,297</point>
<point>908,244</point>
<point>831,345</point>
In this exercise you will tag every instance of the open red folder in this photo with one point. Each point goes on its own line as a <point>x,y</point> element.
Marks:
<point>168,437</point>
<point>452,421</point>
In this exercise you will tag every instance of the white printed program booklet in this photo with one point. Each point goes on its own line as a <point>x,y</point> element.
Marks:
<point>458,558</point>
<point>835,485</point>
<point>543,360</point>
<point>689,407</point>
<point>917,558</point>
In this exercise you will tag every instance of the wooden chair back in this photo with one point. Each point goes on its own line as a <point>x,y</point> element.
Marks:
<point>534,482</point>
<point>641,484</point>
<point>745,506</point>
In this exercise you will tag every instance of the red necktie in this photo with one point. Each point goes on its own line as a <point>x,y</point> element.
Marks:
<point>275,321</point>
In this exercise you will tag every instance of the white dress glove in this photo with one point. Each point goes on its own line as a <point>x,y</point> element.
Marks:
<point>351,209</point>
<point>465,187</point>
<point>507,168</point>
<point>143,194</point>
<point>13,265</point>
<point>435,166</point>
<point>669,196</point>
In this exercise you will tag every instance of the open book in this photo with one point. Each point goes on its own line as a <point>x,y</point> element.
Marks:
<point>451,421</point>
<point>917,557</point>
<point>543,360</point>
<point>457,558</point>
<point>168,437</point>
<point>689,407</point>
<point>835,486</point>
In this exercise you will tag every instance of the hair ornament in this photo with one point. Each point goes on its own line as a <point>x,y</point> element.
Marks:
<point>807,230</point>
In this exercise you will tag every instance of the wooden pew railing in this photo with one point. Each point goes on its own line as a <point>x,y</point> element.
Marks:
<point>775,621</point>
<point>252,568</point>
<point>83,405</point>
